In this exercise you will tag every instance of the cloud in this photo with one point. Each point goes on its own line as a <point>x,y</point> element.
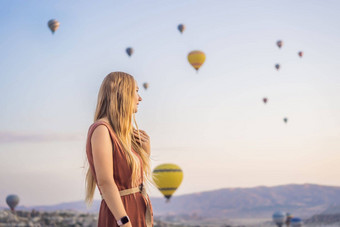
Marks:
<point>10,137</point>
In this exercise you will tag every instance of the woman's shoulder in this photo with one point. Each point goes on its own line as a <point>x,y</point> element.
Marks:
<point>102,128</point>
<point>100,133</point>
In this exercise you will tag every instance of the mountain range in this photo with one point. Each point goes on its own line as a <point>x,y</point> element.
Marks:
<point>302,200</point>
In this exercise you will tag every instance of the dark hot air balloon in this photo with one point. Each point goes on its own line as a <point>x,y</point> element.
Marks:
<point>181,28</point>
<point>265,100</point>
<point>288,219</point>
<point>53,25</point>
<point>145,85</point>
<point>129,51</point>
<point>12,201</point>
<point>279,43</point>
<point>277,66</point>
<point>296,222</point>
<point>300,54</point>
<point>285,120</point>
<point>279,218</point>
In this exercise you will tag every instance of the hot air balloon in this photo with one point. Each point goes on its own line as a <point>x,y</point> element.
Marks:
<point>196,58</point>
<point>167,178</point>
<point>296,222</point>
<point>300,54</point>
<point>12,201</point>
<point>181,28</point>
<point>285,119</point>
<point>129,51</point>
<point>145,85</point>
<point>265,100</point>
<point>277,66</point>
<point>53,25</point>
<point>288,219</point>
<point>279,43</point>
<point>279,218</point>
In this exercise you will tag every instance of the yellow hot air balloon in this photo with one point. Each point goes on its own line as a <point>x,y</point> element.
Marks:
<point>196,58</point>
<point>167,178</point>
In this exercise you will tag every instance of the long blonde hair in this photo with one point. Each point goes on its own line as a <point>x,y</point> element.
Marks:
<point>116,102</point>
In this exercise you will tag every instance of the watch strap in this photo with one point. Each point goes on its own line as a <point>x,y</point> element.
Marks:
<point>123,220</point>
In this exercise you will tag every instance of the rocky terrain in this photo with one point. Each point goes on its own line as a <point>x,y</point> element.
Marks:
<point>65,218</point>
<point>57,218</point>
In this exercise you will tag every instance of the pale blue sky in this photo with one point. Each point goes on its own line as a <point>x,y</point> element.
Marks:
<point>213,124</point>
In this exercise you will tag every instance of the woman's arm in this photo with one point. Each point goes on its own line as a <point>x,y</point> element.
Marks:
<point>103,164</point>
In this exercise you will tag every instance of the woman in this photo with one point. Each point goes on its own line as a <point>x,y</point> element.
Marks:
<point>119,156</point>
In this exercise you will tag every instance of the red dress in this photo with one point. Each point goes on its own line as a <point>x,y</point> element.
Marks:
<point>135,204</point>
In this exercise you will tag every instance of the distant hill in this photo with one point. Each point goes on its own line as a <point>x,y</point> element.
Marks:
<point>324,219</point>
<point>257,202</point>
<point>333,209</point>
<point>329,216</point>
<point>303,200</point>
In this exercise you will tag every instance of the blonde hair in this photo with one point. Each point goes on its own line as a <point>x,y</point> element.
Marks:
<point>116,102</point>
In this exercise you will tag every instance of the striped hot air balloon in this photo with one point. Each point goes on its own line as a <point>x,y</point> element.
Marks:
<point>167,178</point>
<point>53,25</point>
<point>196,58</point>
<point>288,219</point>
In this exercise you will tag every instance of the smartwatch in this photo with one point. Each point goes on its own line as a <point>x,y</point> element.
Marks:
<point>123,220</point>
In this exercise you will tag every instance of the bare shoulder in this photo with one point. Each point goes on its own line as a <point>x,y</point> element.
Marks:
<point>100,134</point>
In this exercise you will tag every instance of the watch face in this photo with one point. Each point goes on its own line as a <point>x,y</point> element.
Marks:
<point>125,220</point>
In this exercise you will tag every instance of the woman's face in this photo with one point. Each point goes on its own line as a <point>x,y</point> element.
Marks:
<point>137,98</point>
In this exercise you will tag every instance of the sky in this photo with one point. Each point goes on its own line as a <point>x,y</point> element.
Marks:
<point>213,123</point>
